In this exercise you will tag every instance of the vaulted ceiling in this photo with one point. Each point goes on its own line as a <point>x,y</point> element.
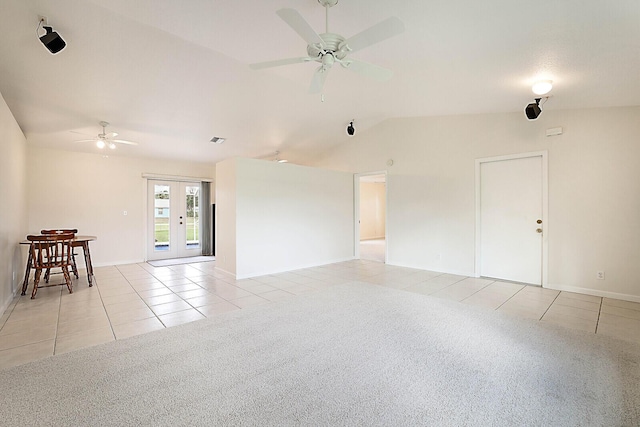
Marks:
<point>172,74</point>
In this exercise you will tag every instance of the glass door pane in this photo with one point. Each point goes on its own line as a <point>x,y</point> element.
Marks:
<point>162,217</point>
<point>192,199</point>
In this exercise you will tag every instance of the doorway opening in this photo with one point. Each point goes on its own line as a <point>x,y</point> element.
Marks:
<point>371,216</point>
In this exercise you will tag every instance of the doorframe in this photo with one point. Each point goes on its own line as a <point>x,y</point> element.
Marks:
<point>356,212</point>
<point>545,207</point>
<point>147,178</point>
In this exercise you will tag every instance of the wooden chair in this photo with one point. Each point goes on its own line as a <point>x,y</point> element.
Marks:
<point>74,267</point>
<point>51,251</point>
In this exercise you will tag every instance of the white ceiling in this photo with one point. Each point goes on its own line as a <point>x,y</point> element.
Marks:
<point>172,74</point>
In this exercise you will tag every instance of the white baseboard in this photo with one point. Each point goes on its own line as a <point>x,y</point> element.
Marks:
<point>114,263</point>
<point>225,272</point>
<point>456,272</point>
<point>6,304</point>
<point>291,268</point>
<point>594,292</point>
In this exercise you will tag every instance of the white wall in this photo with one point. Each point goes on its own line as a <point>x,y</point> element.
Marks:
<point>372,210</point>
<point>13,212</point>
<point>226,216</point>
<point>287,216</point>
<point>90,192</point>
<point>594,190</point>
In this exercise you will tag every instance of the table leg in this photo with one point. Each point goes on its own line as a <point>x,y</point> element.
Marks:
<point>26,274</point>
<point>87,261</point>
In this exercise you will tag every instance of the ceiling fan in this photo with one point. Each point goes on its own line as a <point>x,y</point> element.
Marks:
<point>328,48</point>
<point>107,139</point>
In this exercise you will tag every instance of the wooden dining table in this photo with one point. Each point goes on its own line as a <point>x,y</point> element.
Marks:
<point>79,241</point>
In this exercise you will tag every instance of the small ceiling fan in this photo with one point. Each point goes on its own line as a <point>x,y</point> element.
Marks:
<point>328,48</point>
<point>105,139</point>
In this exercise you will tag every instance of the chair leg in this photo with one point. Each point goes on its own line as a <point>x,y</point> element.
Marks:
<point>36,280</point>
<point>47,275</point>
<point>67,278</point>
<point>74,267</point>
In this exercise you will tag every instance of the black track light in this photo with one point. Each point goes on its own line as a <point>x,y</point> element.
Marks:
<point>51,40</point>
<point>350,129</point>
<point>533,110</point>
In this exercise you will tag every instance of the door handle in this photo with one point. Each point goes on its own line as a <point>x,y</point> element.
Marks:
<point>539,221</point>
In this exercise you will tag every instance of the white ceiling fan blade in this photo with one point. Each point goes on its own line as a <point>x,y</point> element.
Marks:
<point>388,28</point>
<point>279,62</point>
<point>87,140</point>
<point>370,70</point>
<point>317,82</point>
<point>79,133</point>
<point>122,141</point>
<point>300,26</point>
<point>111,135</point>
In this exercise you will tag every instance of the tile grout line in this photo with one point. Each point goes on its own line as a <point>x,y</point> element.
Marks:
<point>484,287</point>
<point>105,307</point>
<point>599,313</point>
<point>509,299</point>
<point>143,300</point>
<point>55,337</point>
<point>554,300</point>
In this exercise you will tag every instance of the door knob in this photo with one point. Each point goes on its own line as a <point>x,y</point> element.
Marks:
<point>539,230</point>
<point>539,221</point>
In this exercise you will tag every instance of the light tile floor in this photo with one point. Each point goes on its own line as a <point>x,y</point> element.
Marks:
<point>135,299</point>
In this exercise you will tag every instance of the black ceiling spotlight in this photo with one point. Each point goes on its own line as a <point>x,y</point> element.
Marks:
<point>350,129</point>
<point>533,110</point>
<point>51,40</point>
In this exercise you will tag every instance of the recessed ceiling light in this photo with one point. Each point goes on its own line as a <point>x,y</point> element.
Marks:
<point>218,140</point>
<point>542,87</point>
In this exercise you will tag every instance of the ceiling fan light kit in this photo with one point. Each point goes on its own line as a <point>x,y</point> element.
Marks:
<point>278,159</point>
<point>328,48</point>
<point>105,139</point>
<point>542,87</point>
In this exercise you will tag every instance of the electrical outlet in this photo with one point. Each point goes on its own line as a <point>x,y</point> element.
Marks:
<point>43,19</point>
<point>600,275</point>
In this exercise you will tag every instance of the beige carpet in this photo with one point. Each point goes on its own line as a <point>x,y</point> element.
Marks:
<point>354,354</point>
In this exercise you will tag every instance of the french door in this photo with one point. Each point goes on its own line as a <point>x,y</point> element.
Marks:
<point>174,219</point>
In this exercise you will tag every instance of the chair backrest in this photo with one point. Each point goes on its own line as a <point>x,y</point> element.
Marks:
<point>60,231</point>
<point>51,250</point>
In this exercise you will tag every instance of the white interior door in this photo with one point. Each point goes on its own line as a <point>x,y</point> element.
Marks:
<point>511,219</point>
<point>174,219</point>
